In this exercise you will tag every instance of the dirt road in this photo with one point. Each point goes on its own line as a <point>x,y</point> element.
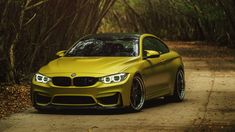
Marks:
<point>209,105</point>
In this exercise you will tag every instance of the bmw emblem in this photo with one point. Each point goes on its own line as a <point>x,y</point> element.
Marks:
<point>73,74</point>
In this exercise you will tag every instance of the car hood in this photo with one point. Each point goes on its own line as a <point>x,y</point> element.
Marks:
<point>94,65</point>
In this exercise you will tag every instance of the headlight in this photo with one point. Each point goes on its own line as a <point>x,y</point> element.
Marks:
<point>41,78</point>
<point>114,78</point>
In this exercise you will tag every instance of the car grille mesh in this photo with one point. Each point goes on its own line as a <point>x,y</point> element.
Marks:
<point>84,81</point>
<point>77,81</point>
<point>61,81</point>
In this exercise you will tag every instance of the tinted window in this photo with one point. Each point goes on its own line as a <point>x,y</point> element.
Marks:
<point>151,43</point>
<point>103,46</point>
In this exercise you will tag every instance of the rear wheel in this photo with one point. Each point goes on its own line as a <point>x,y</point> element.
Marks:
<point>137,96</point>
<point>179,88</point>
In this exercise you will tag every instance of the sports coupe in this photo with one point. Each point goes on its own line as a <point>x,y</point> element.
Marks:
<point>110,71</point>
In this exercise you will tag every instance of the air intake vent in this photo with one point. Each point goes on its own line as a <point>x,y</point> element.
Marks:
<point>73,100</point>
<point>42,99</point>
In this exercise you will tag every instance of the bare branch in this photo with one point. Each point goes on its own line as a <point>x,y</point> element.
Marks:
<point>35,5</point>
<point>31,19</point>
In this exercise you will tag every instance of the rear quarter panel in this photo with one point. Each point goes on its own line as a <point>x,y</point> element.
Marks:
<point>174,64</point>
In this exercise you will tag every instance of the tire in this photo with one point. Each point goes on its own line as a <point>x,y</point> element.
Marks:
<point>137,94</point>
<point>179,88</point>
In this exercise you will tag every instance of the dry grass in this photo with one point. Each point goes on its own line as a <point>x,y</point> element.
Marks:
<point>202,51</point>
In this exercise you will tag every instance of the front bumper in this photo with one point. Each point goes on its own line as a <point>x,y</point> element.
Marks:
<point>98,96</point>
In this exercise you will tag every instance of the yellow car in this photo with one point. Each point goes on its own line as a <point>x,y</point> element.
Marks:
<point>110,71</point>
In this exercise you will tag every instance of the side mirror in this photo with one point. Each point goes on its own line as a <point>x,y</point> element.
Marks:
<point>61,53</point>
<point>151,54</point>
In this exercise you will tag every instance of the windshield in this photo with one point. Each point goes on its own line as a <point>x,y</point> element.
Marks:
<point>110,47</point>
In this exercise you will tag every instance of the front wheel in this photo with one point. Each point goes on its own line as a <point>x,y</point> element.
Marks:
<point>137,96</point>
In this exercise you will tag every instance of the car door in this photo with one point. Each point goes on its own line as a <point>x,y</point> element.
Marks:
<point>155,72</point>
<point>166,59</point>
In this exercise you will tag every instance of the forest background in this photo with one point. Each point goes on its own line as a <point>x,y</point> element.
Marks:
<point>32,31</point>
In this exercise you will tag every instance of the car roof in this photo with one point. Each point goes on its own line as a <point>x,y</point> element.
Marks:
<point>115,35</point>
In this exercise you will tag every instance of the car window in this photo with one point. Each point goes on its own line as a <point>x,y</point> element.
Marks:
<point>109,47</point>
<point>151,43</point>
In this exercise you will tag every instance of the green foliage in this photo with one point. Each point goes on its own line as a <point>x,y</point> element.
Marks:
<point>209,20</point>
